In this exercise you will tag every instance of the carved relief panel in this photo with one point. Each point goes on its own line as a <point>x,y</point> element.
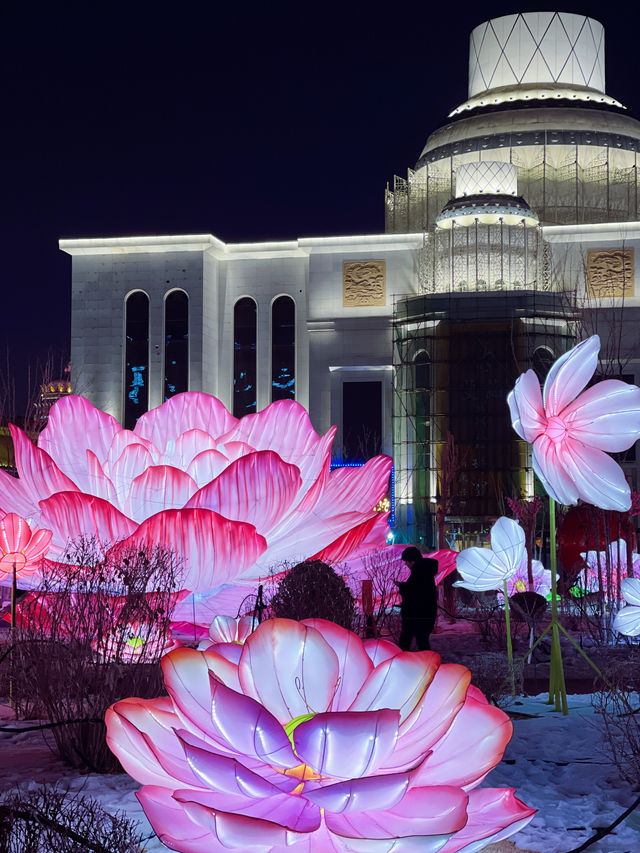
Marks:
<point>364,283</point>
<point>609,273</point>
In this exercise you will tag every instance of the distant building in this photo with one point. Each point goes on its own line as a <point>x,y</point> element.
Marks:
<point>50,391</point>
<point>516,232</point>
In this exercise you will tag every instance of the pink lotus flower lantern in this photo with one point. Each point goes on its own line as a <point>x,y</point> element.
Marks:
<point>227,635</point>
<point>136,641</point>
<point>20,547</point>
<point>572,432</point>
<point>231,497</point>
<point>317,741</point>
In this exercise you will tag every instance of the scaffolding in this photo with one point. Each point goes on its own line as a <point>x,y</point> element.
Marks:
<point>563,184</point>
<point>487,310</point>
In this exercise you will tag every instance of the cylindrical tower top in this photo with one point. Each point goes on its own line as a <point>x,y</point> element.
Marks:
<point>534,48</point>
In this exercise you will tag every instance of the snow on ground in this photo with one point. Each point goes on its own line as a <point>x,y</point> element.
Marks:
<point>557,764</point>
<point>560,766</point>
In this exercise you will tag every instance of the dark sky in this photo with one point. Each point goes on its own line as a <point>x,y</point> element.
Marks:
<point>249,122</point>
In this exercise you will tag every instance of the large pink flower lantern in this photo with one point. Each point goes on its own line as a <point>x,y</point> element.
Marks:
<point>232,497</point>
<point>21,550</point>
<point>317,741</point>
<point>572,432</point>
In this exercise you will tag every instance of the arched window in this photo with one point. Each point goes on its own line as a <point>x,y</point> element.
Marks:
<point>542,360</point>
<point>283,349</point>
<point>245,326</point>
<point>136,374</point>
<point>176,343</point>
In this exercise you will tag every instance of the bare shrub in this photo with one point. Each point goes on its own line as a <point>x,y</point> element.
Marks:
<point>483,609</point>
<point>90,636</point>
<point>616,701</point>
<point>381,568</point>
<point>314,590</point>
<point>47,819</point>
<point>491,673</point>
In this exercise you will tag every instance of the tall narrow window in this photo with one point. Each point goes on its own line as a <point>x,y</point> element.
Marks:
<point>136,376</point>
<point>361,420</point>
<point>283,349</point>
<point>176,343</point>
<point>244,357</point>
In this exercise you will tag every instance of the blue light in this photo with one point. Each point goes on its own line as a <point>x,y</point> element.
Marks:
<point>392,498</point>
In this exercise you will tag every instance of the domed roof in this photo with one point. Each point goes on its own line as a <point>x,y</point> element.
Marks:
<point>486,192</point>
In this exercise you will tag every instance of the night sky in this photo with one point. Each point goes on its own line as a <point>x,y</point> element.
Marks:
<point>249,122</point>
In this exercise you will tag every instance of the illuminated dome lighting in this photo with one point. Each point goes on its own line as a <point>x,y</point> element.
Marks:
<point>487,210</point>
<point>486,193</point>
<point>535,92</point>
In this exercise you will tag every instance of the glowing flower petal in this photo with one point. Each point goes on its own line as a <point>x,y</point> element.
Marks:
<point>269,765</point>
<point>627,620</point>
<point>519,582</point>
<point>354,664</point>
<point>422,811</point>
<point>467,751</point>
<point>494,814</point>
<point>279,668</point>
<point>347,744</point>
<point>87,516</point>
<point>19,547</point>
<point>213,544</point>
<point>483,569</point>
<point>570,433</point>
<point>36,469</point>
<point>612,560</point>
<point>92,429</point>
<point>227,629</point>
<point>270,470</point>
<point>254,488</point>
<point>181,414</point>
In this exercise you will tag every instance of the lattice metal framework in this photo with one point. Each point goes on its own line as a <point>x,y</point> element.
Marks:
<point>562,184</point>
<point>456,356</point>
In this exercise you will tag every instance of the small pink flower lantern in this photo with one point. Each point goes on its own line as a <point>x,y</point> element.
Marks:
<point>21,551</point>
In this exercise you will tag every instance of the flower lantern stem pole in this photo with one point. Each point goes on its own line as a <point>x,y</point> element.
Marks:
<point>557,687</point>
<point>509,644</point>
<point>14,593</point>
<point>14,590</point>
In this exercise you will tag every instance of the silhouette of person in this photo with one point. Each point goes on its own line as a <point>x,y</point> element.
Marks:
<point>419,596</point>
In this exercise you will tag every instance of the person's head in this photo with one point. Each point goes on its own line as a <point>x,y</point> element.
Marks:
<point>411,555</point>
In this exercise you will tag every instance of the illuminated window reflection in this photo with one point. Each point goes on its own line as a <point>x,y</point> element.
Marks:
<point>136,379</point>
<point>283,349</point>
<point>244,357</point>
<point>176,343</point>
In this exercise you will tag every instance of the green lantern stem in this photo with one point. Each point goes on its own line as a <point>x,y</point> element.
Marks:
<point>557,687</point>
<point>509,644</point>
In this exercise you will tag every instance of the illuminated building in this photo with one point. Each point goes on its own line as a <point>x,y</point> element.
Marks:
<point>521,212</point>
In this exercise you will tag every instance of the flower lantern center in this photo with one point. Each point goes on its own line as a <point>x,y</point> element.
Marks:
<point>556,429</point>
<point>7,561</point>
<point>520,586</point>
<point>292,725</point>
<point>303,771</point>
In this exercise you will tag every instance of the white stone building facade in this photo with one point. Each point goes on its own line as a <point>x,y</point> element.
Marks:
<point>537,105</point>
